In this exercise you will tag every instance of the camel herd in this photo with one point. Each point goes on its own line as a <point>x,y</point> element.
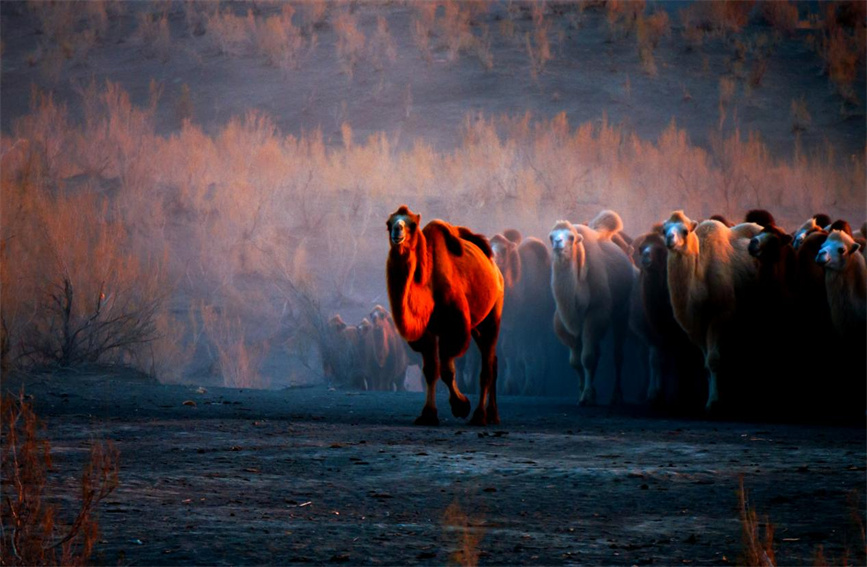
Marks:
<point>773,319</point>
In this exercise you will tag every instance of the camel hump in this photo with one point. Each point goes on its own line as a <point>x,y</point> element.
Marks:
<point>606,223</point>
<point>760,217</point>
<point>478,239</point>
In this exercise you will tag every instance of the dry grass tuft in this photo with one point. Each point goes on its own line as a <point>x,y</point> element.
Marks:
<point>757,550</point>
<point>34,532</point>
<point>456,521</point>
<point>350,42</point>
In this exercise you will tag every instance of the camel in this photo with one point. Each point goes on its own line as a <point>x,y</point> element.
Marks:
<point>534,311</point>
<point>846,287</point>
<point>651,318</point>
<point>845,284</point>
<point>444,288</point>
<point>341,353</point>
<point>591,279</point>
<point>383,356</point>
<point>513,235</point>
<point>813,224</point>
<point>722,219</point>
<point>775,258</point>
<point>761,217</point>
<point>609,225</point>
<point>709,270</point>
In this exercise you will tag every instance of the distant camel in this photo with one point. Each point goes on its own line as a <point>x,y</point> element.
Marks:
<point>444,288</point>
<point>591,279</point>
<point>389,360</point>
<point>342,352</point>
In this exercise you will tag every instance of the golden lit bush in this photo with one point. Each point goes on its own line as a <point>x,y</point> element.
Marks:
<point>280,40</point>
<point>350,42</point>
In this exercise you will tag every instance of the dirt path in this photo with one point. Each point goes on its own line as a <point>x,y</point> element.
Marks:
<point>315,475</point>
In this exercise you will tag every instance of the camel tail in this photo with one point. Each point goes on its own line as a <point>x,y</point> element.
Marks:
<point>606,223</point>
<point>478,239</point>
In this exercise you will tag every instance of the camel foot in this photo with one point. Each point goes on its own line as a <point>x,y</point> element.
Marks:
<point>428,417</point>
<point>492,415</point>
<point>460,407</point>
<point>479,417</point>
<point>588,398</point>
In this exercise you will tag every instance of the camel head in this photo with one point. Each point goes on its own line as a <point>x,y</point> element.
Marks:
<point>513,235</point>
<point>677,230</point>
<point>504,249</point>
<point>841,225</point>
<point>336,324</point>
<point>564,238</point>
<point>649,252</point>
<point>804,231</point>
<point>767,244</point>
<point>365,326</point>
<point>835,252</point>
<point>403,227</point>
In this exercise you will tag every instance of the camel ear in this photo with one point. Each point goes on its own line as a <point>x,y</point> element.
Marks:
<point>657,228</point>
<point>692,225</point>
<point>416,218</point>
<point>854,248</point>
<point>579,238</point>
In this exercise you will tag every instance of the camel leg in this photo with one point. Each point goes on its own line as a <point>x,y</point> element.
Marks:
<point>459,402</point>
<point>591,338</point>
<point>427,346</point>
<point>488,331</point>
<point>654,388</point>
<point>713,363</point>
<point>620,331</point>
<point>574,345</point>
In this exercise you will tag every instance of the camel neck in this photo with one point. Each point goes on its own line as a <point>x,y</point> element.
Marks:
<point>408,272</point>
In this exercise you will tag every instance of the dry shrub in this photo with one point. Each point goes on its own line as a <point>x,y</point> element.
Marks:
<point>455,28</point>
<point>239,358</point>
<point>716,19</point>
<point>34,531</point>
<point>457,524</point>
<point>382,48</point>
<point>782,15</point>
<point>280,40</point>
<point>350,42</point>
<point>231,34</point>
<point>69,31</point>
<point>88,300</point>
<point>538,45</point>
<point>757,550</point>
<point>650,31</point>
<point>622,17</point>
<point>423,28</point>
<point>153,33</point>
<point>843,56</point>
<point>801,118</point>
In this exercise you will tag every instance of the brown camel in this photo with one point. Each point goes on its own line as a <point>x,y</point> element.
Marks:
<point>709,270</point>
<point>387,359</point>
<point>444,288</point>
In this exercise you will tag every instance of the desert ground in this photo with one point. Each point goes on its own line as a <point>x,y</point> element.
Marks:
<point>191,190</point>
<point>318,475</point>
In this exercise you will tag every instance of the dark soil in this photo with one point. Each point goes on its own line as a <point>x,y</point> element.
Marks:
<point>316,475</point>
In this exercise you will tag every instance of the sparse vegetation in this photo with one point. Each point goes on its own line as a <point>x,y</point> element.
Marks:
<point>758,548</point>
<point>35,531</point>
